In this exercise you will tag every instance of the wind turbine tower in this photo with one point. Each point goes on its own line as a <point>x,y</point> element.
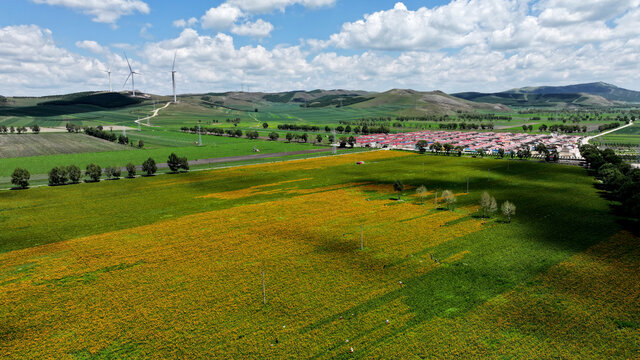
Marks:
<point>173,78</point>
<point>131,75</point>
<point>109,75</point>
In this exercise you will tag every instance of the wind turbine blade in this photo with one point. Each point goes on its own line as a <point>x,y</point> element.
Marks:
<point>128,63</point>
<point>126,81</point>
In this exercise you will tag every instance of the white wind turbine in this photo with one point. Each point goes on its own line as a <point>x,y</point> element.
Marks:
<point>109,75</point>
<point>131,75</point>
<point>173,77</point>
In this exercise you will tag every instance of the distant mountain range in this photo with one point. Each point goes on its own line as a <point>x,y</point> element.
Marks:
<point>580,95</point>
<point>401,102</point>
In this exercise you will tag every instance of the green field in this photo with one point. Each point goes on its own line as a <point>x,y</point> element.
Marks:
<point>171,266</point>
<point>26,145</point>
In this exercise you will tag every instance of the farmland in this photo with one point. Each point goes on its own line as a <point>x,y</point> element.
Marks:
<point>26,145</point>
<point>177,272</point>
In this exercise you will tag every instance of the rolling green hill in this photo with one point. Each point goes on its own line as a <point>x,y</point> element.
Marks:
<point>582,95</point>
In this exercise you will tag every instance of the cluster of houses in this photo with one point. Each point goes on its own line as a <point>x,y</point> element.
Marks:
<point>471,142</point>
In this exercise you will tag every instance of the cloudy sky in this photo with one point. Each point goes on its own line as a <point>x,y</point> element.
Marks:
<point>62,46</point>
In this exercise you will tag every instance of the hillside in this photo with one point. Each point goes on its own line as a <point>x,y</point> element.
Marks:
<point>104,100</point>
<point>537,100</point>
<point>607,91</point>
<point>435,102</point>
<point>581,95</point>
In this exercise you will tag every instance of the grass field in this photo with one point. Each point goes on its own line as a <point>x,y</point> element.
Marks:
<point>171,266</point>
<point>26,145</point>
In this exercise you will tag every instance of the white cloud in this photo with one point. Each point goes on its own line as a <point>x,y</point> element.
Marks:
<point>221,17</point>
<point>266,6</point>
<point>102,11</point>
<point>258,29</point>
<point>563,12</point>
<point>92,46</point>
<point>32,64</point>
<point>182,23</point>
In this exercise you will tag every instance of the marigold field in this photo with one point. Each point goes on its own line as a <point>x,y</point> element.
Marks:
<point>171,266</point>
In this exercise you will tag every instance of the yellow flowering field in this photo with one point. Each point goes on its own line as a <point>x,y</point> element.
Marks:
<point>195,282</point>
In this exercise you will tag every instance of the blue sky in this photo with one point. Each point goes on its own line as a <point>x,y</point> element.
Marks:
<point>58,46</point>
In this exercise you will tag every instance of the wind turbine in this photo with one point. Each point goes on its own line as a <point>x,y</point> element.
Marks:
<point>131,75</point>
<point>173,77</point>
<point>109,75</point>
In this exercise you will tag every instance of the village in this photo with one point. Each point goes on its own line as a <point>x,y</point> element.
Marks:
<point>472,142</point>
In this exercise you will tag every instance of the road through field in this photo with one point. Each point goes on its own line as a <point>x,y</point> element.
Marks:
<point>586,140</point>
<point>155,113</point>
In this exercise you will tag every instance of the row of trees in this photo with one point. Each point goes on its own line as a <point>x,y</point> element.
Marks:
<point>63,175</point>
<point>618,178</point>
<point>20,129</point>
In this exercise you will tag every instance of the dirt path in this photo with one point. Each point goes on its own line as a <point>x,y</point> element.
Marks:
<point>155,113</point>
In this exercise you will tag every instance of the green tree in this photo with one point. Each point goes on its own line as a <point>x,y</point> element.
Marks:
<point>265,125</point>
<point>35,129</point>
<point>447,147</point>
<point>501,152</point>
<point>20,178</point>
<point>351,141</point>
<point>508,209</point>
<point>131,170</point>
<point>149,167</point>
<point>289,137</point>
<point>274,136</point>
<point>140,144</point>
<point>252,135</point>
<point>174,162</point>
<point>74,174</point>
<point>319,139</point>
<point>94,172</point>
<point>542,149</point>
<point>58,176</point>
<point>422,145</point>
